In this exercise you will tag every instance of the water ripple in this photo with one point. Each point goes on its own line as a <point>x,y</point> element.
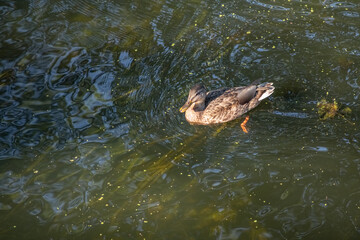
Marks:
<point>269,6</point>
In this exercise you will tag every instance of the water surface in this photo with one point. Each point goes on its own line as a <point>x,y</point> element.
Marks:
<point>92,145</point>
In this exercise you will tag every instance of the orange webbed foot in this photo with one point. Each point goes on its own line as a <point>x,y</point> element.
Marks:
<point>243,124</point>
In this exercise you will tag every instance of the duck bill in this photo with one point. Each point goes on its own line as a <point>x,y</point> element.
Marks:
<point>185,107</point>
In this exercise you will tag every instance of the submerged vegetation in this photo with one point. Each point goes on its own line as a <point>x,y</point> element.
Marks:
<point>92,145</point>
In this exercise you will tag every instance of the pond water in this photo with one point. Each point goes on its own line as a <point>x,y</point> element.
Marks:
<point>93,146</point>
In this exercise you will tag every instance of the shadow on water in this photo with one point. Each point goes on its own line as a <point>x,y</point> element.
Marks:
<point>92,144</point>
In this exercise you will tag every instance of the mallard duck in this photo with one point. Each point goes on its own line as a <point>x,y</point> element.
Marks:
<point>223,105</point>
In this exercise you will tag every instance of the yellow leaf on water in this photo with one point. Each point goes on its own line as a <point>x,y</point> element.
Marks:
<point>346,110</point>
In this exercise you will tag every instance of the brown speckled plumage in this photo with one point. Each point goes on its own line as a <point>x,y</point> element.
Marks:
<point>223,105</point>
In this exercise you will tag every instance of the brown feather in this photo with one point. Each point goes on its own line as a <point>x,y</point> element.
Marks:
<point>226,104</point>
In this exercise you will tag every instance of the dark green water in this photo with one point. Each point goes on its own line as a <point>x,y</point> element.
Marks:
<point>92,145</point>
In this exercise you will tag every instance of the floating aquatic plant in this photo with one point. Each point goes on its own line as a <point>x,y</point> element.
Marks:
<point>328,110</point>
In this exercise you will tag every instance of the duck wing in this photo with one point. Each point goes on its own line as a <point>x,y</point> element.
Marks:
<point>211,95</point>
<point>231,104</point>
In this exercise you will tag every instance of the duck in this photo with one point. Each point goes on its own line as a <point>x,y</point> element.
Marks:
<point>225,104</point>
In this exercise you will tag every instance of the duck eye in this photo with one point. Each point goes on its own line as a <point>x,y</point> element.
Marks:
<point>200,94</point>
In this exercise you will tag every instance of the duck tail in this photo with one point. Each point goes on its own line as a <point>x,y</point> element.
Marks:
<point>265,90</point>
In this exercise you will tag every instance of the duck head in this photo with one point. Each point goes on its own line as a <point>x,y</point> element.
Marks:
<point>196,96</point>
